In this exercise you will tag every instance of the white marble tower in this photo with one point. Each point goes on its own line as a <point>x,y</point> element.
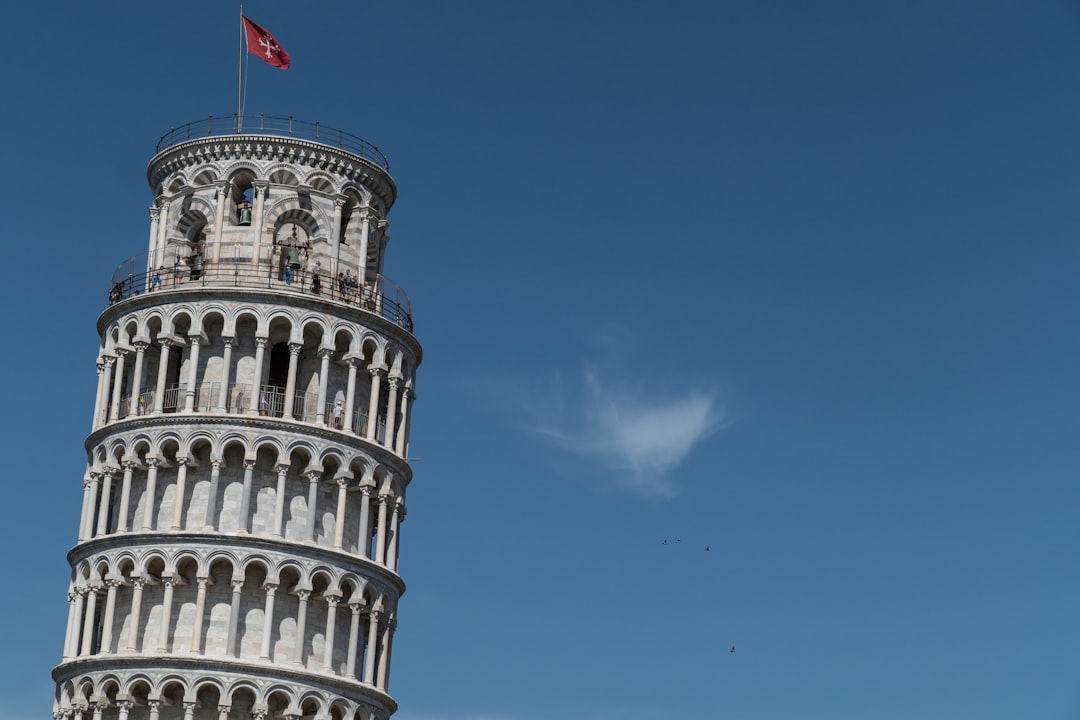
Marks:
<point>237,554</point>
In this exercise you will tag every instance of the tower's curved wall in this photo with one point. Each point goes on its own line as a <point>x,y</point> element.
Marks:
<point>247,469</point>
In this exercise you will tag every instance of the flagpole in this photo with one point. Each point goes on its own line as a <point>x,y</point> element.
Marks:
<point>239,70</point>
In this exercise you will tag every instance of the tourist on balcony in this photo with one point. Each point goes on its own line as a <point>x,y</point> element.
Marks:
<point>180,269</point>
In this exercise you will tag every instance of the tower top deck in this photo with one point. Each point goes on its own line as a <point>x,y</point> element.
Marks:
<point>278,126</point>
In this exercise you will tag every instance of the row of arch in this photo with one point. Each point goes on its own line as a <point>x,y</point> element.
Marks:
<point>244,481</point>
<point>232,604</point>
<point>174,696</point>
<point>256,360</point>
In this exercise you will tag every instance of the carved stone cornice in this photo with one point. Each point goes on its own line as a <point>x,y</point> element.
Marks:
<point>272,149</point>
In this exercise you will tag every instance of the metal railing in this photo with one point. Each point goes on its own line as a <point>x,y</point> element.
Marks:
<point>271,403</point>
<point>377,295</point>
<point>269,125</point>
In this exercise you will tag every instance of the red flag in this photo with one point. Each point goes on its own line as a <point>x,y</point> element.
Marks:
<point>263,44</point>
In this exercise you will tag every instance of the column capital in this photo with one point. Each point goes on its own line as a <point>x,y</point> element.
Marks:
<point>270,587</point>
<point>249,464</point>
<point>260,342</point>
<point>377,370</point>
<point>237,585</point>
<point>141,345</point>
<point>227,341</point>
<point>295,347</point>
<point>166,342</point>
<point>155,212</point>
<point>324,353</point>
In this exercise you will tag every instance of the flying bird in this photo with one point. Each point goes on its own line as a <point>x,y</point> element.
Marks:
<point>732,648</point>
<point>706,548</point>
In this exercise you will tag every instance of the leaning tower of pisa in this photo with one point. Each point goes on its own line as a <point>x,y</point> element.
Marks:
<point>244,492</point>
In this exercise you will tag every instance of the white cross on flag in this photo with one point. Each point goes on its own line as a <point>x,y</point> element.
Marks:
<point>263,44</point>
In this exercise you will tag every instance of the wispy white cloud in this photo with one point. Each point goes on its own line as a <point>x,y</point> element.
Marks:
<point>639,434</point>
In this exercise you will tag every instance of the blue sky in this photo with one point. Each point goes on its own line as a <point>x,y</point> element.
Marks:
<point>794,281</point>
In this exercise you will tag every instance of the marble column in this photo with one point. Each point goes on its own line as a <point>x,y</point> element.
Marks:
<point>200,613</point>
<point>193,373</point>
<point>373,401</point>
<point>245,495</point>
<point>137,584</point>
<point>354,637</point>
<point>392,540</point>
<point>162,375</point>
<point>118,383</point>
<point>331,614</point>
<point>364,543</point>
<point>256,383</point>
<point>268,621</point>
<point>380,533</point>
<point>301,626</point>
<point>89,620</point>
<point>399,446</point>
<point>350,401</point>
<point>107,383</point>
<point>391,413</point>
<point>372,646</point>
<point>111,585</point>
<point>290,381</point>
<point>324,374</point>
<point>339,516</point>
<point>103,506</point>
<point>125,496</point>
<point>166,614</point>
<point>181,489</point>
<point>137,376</point>
<point>234,618</point>
<point>313,502</point>
<point>279,501</point>
<point>210,522</point>
<point>152,464</point>
<point>226,367</point>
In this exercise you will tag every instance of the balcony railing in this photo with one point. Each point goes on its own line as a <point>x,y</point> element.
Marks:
<point>271,403</point>
<point>377,295</point>
<point>268,125</point>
